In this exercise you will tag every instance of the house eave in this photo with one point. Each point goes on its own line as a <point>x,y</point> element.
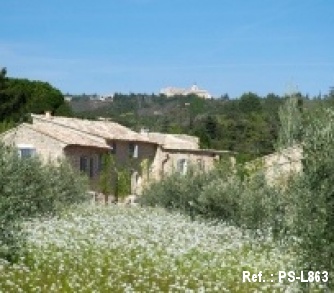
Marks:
<point>86,146</point>
<point>199,151</point>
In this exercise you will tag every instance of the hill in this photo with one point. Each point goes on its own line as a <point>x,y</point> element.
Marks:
<point>247,125</point>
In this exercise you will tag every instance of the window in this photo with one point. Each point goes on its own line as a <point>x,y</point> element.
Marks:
<point>91,167</point>
<point>182,166</point>
<point>26,151</point>
<point>133,150</point>
<point>113,148</point>
<point>100,162</point>
<point>87,165</point>
<point>83,164</point>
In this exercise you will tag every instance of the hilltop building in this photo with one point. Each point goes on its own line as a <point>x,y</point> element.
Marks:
<point>194,90</point>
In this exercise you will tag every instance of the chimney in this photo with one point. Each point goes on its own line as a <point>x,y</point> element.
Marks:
<point>48,114</point>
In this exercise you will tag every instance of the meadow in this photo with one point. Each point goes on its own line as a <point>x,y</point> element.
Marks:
<point>119,249</point>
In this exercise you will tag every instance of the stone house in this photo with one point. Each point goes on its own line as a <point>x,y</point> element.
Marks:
<point>83,143</point>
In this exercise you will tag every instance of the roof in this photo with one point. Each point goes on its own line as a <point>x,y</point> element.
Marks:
<point>171,141</point>
<point>74,131</point>
<point>102,129</point>
<point>68,136</point>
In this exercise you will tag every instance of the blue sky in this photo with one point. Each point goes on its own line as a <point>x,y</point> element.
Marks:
<point>234,46</point>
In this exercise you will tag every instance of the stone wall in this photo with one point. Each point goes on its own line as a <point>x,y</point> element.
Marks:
<point>279,166</point>
<point>46,147</point>
<point>169,160</point>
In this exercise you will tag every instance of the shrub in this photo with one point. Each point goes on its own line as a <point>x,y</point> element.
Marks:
<point>115,178</point>
<point>311,194</point>
<point>262,206</point>
<point>108,166</point>
<point>29,188</point>
<point>177,191</point>
<point>220,198</point>
<point>310,214</point>
<point>316,212</point>
<point>123,182</point>
<point>221,194</point>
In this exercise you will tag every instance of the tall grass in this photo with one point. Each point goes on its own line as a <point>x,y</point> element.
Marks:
<point>115,249</point>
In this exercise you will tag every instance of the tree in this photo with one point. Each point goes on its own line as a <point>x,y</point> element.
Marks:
<point>225,97</point>
<point>291,123</point>
<point>316,217</point>
<point>64,110</point>
<point>105,180</point>
<point>165,124</point>
<point>3,73</point>
<point>249,103</point>
<point>29,188</point>
<point>204,138</point>
<point>211,126</point>
<point>123,182</point>
<point>18,97</point>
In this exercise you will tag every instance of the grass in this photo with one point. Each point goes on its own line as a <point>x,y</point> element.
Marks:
<point>115,249</point>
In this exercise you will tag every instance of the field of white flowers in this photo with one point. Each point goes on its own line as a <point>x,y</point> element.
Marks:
<point>118,249</point>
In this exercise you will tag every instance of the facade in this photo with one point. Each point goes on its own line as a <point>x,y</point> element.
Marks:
<point>148,156</point>
<point>194,89</point>
<point>280,166</point>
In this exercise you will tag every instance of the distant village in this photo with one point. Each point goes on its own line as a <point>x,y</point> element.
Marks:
<point>168,92</point>
<point>88,97</point>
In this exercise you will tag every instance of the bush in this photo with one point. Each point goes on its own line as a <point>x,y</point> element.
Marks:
<point>316,219</point>
<point>246,201</point>
<point>29,188</point>
<point>177,191</point>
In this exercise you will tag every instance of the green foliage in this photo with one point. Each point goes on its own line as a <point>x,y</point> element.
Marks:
<point>29,188</point>
<point>18,97</point>
<point>290,116</point>
<point>311,194</point>
<point>303,208</point>
<point>114,179</point>
<point>6,125</point>
<point>220,194</point>
<point>248,125</point>
<point>105,180</point>
<point>66,187</point>
<point>123,182</point>
<point>317,205</point>
<point>204,139</point>
<point>175,191</point>
<point>64,110</point>
<point>211,126</point>
<point>250,102</point>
